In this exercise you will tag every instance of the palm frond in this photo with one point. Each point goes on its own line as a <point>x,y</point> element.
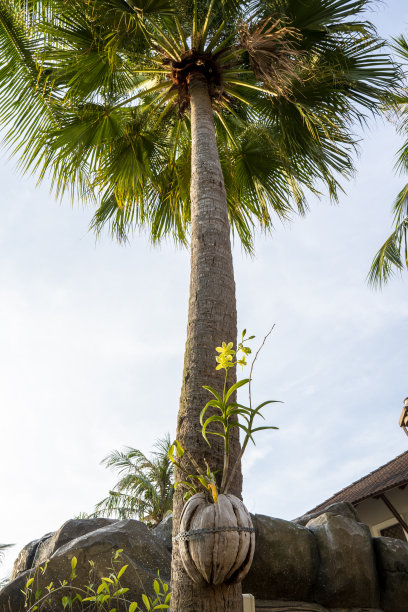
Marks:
<point>99,102</point>
<point>145,489</point>
<point>272,53</point>
<point>393,255</point>
<point>4,547</point>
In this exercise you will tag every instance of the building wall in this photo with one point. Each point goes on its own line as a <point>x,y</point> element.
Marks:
<point>377,516</point>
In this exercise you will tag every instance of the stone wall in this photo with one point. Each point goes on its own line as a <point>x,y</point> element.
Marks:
<point>320,563</point>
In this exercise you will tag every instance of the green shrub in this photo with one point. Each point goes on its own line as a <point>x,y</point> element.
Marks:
<point>104,595</point>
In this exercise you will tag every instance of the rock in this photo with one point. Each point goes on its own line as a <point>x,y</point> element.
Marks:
<point>164,531</point>
<point>330,563</point>
<point>26,556</point>
<point>392,565</point>
<point>347,574</point>
<point>69,531</point>
<point>143,554</point>
<point>285,561</point>
<point>340,509</point>
<point>11,598</point>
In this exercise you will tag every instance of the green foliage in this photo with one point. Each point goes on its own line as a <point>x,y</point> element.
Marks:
<point>95,95</point>
<point>145,488</point>
<point>3,547</point>
<point>225,415</point>
<point>393,255</point>
<point>104,595</point>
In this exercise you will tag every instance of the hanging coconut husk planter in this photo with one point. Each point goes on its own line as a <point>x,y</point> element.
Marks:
<point>216,540</point>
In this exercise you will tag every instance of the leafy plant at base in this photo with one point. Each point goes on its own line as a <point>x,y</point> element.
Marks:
<point>107,596</point>
<point>227,415</point>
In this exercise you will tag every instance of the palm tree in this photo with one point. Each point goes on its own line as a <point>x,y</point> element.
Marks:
<point>3,547</point>
<point>191,118</point>
<point>145,488</point>
<point>393,255</point>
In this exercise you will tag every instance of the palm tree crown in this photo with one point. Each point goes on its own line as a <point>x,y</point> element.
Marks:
<point>145,488</point>
<point>96,93</point>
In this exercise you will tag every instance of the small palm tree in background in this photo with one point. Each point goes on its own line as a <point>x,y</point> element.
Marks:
<point>393,255</point>
<point>3,547</point>
<point>145,488</point>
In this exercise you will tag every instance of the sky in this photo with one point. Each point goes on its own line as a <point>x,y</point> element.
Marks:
<point>92,337</point>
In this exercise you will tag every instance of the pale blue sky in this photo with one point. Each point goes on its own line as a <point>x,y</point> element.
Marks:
<point>92,338</point>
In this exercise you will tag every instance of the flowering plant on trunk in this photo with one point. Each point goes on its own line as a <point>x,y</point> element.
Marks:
<point>225,412</point>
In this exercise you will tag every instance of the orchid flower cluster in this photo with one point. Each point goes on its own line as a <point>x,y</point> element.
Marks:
<point>227,414</point>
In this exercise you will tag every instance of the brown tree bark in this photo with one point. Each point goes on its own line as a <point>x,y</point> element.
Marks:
<point>211,320</point>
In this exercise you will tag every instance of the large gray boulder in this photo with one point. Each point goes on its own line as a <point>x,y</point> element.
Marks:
<point>392,566</point>
<point>69,531</point>
<point>339,509</point>
<point>144,555</point>
<point>347,575</point>
<point>285,561</point>
<point>164,532</point>
<point>329,565</point>
<point>27,555</point>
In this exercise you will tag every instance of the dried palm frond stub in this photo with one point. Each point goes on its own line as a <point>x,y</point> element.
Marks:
<point>273,53</point>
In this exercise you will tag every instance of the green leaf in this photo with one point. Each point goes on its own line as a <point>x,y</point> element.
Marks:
<point>211,403</point>
<point>212,419</point>
<point>268,402</point>
<point>146,602</point>
<point>120,591</point>
<point>102,587</point>
<point>74,562</point>
<point>237,385</point>
<point>156,587</point>
<point>133,606</point>
<point>122,571</point>
<point>214,392</point>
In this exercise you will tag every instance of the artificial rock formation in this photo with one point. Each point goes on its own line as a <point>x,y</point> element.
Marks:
<point>346,574</point>
<point>94,540</point>
<point>324,563</point>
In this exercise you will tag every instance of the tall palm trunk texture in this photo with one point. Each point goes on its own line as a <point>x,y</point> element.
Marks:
<point>211,320</point>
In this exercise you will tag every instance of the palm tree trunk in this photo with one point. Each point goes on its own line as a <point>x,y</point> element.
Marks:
<point>211,320</point>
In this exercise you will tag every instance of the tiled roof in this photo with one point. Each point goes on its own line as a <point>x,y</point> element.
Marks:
<point>392,474</point>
